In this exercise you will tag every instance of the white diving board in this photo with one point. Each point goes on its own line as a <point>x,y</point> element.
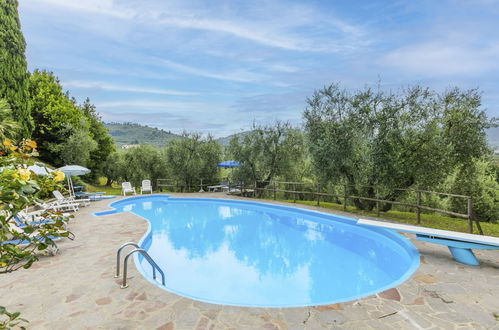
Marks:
<point>459,244</point>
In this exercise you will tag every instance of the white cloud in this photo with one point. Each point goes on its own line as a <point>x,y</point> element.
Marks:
<point>440,58</point>
<point>240,75</point>
<point>102,7</point>
<point>252,33</point>
<point>147,104</point>
<point>283,68</point>
<point>122,88</point>
<point>275,25</point>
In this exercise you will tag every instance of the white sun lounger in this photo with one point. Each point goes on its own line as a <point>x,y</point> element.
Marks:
<point>459,244</point>
<point>58,207</point>
<point>70,200</point>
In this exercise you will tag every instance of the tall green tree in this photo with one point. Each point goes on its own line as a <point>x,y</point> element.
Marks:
<point>141,163</point>
<point>8,127</point>
<point>193,158</point>
<point>267,152</point>
<point>480,180</point>
<point>56,115</point>
<point>14,78</point>
<point>413,138</point>
<point>77,148</point>
<point>114,167</point>
<point>99,133</point>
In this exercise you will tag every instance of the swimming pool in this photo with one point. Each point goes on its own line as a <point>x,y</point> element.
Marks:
<point>246,253</point>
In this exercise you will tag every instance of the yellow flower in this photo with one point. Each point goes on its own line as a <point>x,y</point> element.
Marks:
<point>58,176</point>
<point>31,144</point>
<point>7,143</point>
<point>24,173</point>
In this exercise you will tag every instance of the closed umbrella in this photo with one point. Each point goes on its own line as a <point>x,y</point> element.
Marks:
<point>40,170</point>
<point>73,170</point>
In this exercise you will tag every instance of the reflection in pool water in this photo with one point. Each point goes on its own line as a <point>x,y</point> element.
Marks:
<point>250,254</point>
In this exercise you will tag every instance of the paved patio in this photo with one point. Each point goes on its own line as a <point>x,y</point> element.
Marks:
<point>76,290</point>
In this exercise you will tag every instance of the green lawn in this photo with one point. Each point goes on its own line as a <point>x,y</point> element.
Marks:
<point>427,220</point>
<point>113,190</point>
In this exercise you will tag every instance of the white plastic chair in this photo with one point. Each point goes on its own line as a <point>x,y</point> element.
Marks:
<point>146,186</point>
<point>126,187</point>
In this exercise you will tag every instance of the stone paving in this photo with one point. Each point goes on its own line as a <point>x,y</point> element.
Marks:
<point>76,290</point>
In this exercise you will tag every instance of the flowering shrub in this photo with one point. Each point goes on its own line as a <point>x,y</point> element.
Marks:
<point>49,183</point>
<point>19,189</point>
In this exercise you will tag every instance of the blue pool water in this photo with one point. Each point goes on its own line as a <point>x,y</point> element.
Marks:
<point>255,254</point>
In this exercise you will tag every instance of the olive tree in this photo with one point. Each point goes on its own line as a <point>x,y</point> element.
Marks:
<point>193,158</point>
<point>113,167</point>
<point>412,138</point>
<point>267,152</point>
<point>141,163</point>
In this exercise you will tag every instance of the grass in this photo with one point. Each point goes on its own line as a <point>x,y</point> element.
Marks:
<point>113,190</point>
<point>427,220</point>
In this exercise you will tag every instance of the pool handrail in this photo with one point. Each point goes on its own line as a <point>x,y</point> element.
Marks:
<point>125,263</point>
<point>118,254</point>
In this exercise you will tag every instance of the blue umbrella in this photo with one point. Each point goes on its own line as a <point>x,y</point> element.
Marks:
<point>229,164</point>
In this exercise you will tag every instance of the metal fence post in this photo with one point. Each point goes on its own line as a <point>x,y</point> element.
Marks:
<point>274,190</point>
<point>419,208</point>
<point>254,191</point>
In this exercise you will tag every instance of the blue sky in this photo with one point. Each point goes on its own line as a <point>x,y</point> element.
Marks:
<point>217,66</point>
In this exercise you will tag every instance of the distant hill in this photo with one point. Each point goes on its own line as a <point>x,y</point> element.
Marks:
<point>226,140</point>
<point>128,135</point>
<point>493,137</point>
<point>132,134</point>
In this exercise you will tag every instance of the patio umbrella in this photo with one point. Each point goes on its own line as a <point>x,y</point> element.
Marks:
<point>73,170</point>
<point>229,164</point>
<point>40,170</point>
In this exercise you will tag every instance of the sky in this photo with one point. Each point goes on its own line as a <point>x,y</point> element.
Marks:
<point>218,66</point>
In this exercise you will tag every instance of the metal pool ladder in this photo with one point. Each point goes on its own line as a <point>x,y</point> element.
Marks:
<point>154,266</point>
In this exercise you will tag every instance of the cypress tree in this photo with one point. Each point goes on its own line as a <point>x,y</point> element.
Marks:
<point>14,76</point>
